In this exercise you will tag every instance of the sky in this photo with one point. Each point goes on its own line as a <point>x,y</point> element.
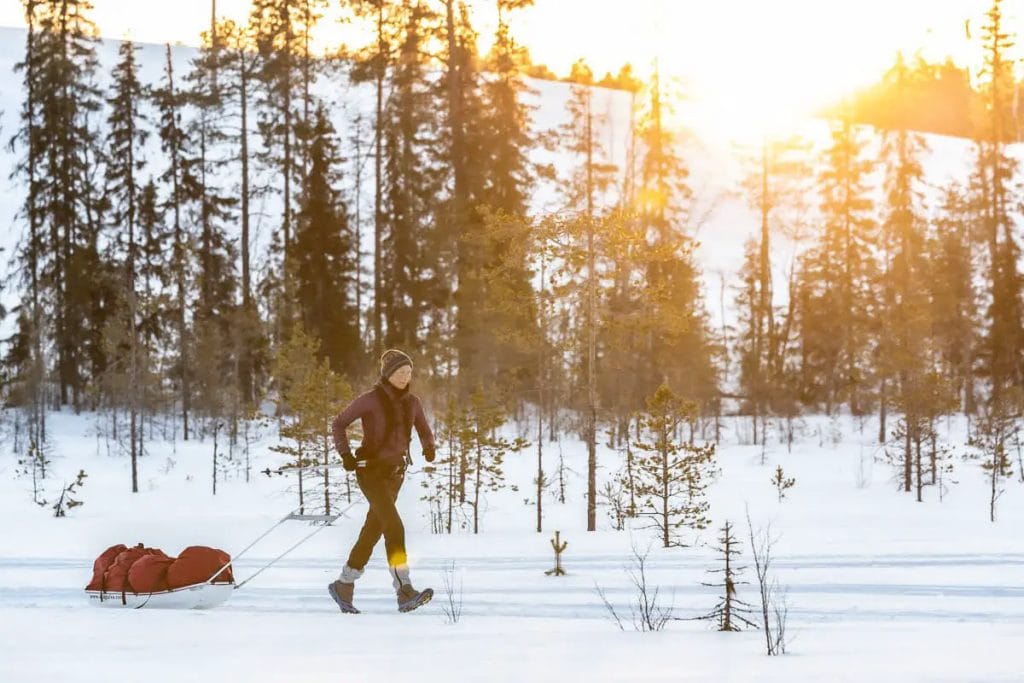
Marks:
<point>792,56</point>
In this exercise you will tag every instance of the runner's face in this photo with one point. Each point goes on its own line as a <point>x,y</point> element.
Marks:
<point>400,377</point>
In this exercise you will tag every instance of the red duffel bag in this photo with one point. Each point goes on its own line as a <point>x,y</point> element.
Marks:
<point>196,564</point>
<point>116,577</point>
<point>102,563</point>
<point>148,574</point>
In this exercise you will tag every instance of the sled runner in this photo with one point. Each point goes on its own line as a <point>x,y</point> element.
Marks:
<point>214,590</point>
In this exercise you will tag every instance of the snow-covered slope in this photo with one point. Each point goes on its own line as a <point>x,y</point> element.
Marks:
<point>713,155</point>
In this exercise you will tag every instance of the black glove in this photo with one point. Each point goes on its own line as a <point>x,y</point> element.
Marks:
<point>429,453</point>
<point>348,461</point>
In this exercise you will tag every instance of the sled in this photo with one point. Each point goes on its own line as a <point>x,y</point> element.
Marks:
<point>208,594</point>
<point>198,596</point>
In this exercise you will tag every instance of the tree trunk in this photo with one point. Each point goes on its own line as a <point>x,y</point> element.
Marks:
<point>908,456</point>
<point>180,256</point>
<point>664,494</point>
<point>246,366</point>
<point>378,189</point>
<point>591,334</point>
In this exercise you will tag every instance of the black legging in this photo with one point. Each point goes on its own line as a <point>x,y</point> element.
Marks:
<point>380,485</point>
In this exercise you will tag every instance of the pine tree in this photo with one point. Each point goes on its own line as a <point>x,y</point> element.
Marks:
<point>558,246</point>
<point>673,475</point>
<point>309,393</point>
<point>486,454</point>
<point>445,483</point>
<point>592,178</point>
<point>997,427</point>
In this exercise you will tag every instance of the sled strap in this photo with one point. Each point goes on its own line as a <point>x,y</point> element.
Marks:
<point>278,558</point>
<point>327,519</point>
<point>246,548</point>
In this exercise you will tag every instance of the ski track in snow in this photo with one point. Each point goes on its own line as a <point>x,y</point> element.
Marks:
<point>832,595</point>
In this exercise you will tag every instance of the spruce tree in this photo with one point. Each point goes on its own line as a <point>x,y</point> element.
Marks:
<point>731,613</point>
<point>372,64</point>
<point>285,77</point>
<point>324,259</point>
<point>902,352</point>
<point>509,310</point>
<point>994,180</point>
<point>279,44</point>
<point>238,69</point>
<point>25,364</point>
<point>675,343</point>
<point>62,139</point>
<point>181,177</point>
<point>953,293</point>
<point>126,138</point>
<point>411,193</point>
<point>838,276</point>
<point>774,187</point>
<point>464,153</point>
<point>215,281</point>
<point>215,306</point>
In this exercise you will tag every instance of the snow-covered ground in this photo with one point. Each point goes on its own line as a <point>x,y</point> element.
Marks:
<point>880,587</point>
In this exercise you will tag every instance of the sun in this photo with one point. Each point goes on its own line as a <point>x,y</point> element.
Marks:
<point>746,67</point>
<point>749,68</point>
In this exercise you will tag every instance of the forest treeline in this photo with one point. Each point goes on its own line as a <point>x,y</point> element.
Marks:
<point>139,293</point>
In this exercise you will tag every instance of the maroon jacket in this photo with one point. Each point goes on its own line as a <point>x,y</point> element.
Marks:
<point>407,412</point>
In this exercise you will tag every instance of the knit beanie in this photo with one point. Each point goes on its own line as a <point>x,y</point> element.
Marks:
<point>391,360</point>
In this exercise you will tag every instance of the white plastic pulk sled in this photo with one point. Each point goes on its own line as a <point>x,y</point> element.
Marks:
<point>209,594</point>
